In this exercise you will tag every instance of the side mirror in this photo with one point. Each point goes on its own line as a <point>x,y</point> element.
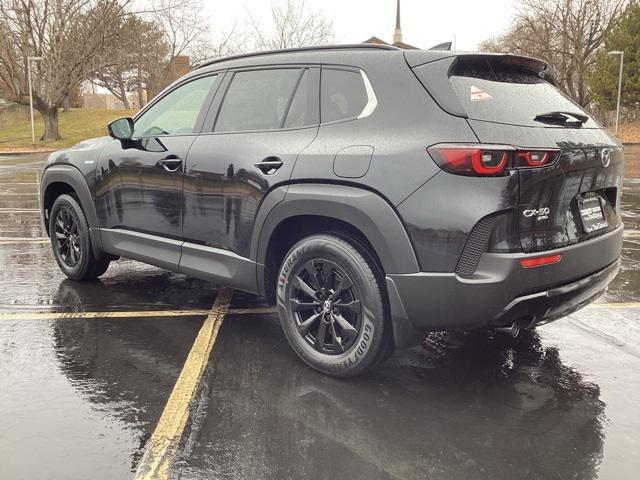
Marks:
<point>121,129</point>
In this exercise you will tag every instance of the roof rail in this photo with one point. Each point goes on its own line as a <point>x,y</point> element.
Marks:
<point>352,46</point>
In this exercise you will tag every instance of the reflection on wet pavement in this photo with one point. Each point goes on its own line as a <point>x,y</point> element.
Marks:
<point>80,397</point>
<point>471,406</point>
<point>626,287</point>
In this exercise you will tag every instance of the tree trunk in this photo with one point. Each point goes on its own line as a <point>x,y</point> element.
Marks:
<point>123,95</point>
<point>50,117</point>
<point>139,89</point>
<point>65,104</point>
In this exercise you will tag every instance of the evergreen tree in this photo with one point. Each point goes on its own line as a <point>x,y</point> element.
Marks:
<point>603,81</point>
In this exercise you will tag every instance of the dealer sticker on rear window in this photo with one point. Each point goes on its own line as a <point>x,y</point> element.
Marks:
<point>478,95</point>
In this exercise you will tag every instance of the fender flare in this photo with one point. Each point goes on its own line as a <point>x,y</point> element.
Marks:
<point>74,178</point>
<point>365,210</point>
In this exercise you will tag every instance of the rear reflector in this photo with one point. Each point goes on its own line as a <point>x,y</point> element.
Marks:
<point>540,261</point>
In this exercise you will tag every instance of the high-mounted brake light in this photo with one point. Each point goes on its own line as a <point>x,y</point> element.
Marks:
<point>488,160</point>
<point>539,261</point>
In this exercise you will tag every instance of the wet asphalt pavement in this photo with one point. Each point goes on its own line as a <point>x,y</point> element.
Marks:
<point>81,395</point>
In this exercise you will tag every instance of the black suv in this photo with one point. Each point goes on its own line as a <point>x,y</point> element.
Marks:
<point>372,194</point>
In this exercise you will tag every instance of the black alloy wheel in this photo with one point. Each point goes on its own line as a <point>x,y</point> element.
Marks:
<point>331,300</point>
<point>71,241</point>
<point>326,306</point>
<point>67,237</point>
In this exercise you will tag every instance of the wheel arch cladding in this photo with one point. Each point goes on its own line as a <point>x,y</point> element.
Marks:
<point>368,215</point>
<point>53,180</point>
<point>362,209</point>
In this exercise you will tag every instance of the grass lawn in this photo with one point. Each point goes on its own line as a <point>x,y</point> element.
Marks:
<point>75,125</point>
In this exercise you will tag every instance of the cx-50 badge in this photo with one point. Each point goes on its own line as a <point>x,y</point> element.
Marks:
<point>605,157</point>
<point>541,213</point>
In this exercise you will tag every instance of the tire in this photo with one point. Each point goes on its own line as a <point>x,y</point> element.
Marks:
<point>318,275</point>
<point>71,241</point>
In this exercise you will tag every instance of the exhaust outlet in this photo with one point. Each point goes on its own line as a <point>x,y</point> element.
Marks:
<point>513,329</point>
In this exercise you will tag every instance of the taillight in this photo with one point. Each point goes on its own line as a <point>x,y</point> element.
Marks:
<point>488,160</point>
<point>533,158</point>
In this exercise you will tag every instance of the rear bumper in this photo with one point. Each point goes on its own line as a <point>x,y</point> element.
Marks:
<point>501,291</point>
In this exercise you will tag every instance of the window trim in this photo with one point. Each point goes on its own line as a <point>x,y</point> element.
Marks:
<point>197,128</point>
<point>372,99</point>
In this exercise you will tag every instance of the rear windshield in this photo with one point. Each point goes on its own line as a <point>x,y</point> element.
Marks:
<point>496,91</point>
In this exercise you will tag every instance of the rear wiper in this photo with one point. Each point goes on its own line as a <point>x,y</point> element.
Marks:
<point>561,117</point>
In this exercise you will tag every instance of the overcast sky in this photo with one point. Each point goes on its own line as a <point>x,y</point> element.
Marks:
<point>424,22</point>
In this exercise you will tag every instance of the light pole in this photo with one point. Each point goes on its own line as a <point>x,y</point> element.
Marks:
<point>33,129</point>
<point>621,53</point>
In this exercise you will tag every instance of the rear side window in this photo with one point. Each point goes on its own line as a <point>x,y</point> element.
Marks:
<point>343,94</point>
<point>257,100</point>
<point>301,112</point>
<point>501,91</point>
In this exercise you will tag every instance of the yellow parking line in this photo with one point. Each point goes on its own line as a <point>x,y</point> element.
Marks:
<point>18,210</point>
<point>25,240</point>
<point>615,305</point>
<point>163,444</point>
<point>22,239</point>
<point>40,315</point>
<point>33,242</point>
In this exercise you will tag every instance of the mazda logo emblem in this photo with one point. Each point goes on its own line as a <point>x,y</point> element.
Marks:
<point>605,157</point>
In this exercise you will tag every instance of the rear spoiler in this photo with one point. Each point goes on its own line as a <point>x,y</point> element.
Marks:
<point>442,46</point>
<point>416,58</point>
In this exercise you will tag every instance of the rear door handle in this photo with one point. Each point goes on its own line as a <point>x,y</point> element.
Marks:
<point>171,163</point>
<point>269,165</point>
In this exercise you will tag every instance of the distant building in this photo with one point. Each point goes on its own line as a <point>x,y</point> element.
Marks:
<point>108,101</point>
<point>397,35</point>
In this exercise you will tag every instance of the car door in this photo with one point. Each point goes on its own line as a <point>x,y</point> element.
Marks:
<point>263,119</point>
<point>139,181</point>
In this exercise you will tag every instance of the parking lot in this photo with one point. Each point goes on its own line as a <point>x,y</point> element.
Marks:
<point>113,379</point>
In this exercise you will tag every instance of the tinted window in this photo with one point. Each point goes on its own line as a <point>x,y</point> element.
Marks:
<point>502,92</point>
<point>301,113</point>
<point>177,111</point>
<point>257,100</point>
<point>343,94</point>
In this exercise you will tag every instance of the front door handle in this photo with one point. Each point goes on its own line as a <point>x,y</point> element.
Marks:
<point>170,163</point>
<point>269,165</point>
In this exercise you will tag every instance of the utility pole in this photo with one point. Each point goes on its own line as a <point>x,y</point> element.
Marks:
<point>621,53</point>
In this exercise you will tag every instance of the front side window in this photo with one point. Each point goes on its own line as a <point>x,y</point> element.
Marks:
<point>343,95</point>
<point>257,100</point>
<point>177,112</point>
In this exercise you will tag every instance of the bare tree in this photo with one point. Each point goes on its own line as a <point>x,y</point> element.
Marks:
<point>186,31</point>
<point>161,32</point>
<point>182,22</point>
<point>565,33</point>
<point>71,36</point>
<point>292,25</point>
